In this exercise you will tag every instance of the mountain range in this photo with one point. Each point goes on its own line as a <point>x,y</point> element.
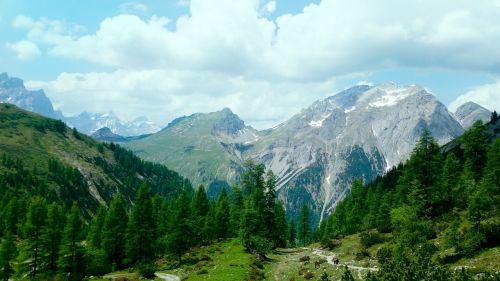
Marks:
<point>360,132</point>
<point>12,90</point>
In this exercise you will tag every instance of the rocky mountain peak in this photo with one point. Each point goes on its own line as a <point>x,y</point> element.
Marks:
<point>470,112</point>
<point>10,82</point>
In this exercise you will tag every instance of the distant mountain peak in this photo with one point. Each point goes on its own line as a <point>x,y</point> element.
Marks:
<point>469,112</point>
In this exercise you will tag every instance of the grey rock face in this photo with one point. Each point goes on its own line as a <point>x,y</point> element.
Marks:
<point>470,112</point>
<point>358,133</point>
<point>12,91</point>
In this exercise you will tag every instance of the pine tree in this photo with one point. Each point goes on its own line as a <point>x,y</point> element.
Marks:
<point>114,231</point>
<point>7,254</point>
<point>222,215</point>
<point>31,251</point>
<point>475,148</point>
<point>292,233</point>
<point>491,179</point>
<point>11,216</point>
<point>200,207</point>
<point>141,228</point>
<point>235,212</point>
<point>270,206</point>
<point>304,228</point>
<point>281,227</point>
<point>94,236</point>
<point>179,240</point>
<point>71,254</point>
<point>52,235</point>
<point>479,204</point>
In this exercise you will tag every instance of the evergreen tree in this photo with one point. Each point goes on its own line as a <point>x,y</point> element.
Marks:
<point>491,179</point>
<point>7,254</point>
<point>114,231</point>
<point>479,204</point>
<point>71,254</point>
<point>11,216</point>
<point>494,116</point>
<point>141,228</point>
<point>179,240</point>
<point>200,207</point>
<point>475,148</point>
<point>52,235</point>
<point>222,215</point>
<point>94,236</point>
<point>159,216</point>
<point>292,233</point>
<point>304,225</point>
<point>235,211</point>
<point>31,250</point>
<point>269,214</point>
<point>281,227</point>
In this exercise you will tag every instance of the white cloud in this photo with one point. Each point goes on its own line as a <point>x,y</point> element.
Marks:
<point>164,94</point>
<point>24,50</point>
<point>229,53</point>
<point>488,96</point>
<point>132,7</point>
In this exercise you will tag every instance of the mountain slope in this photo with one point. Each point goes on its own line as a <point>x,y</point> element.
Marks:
<point>358,133</point>
<point>41,156</point>
<point>205,147</point>
<point>470,112</point>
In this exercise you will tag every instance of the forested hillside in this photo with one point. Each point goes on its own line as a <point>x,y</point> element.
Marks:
<point>439,206</point>
<point>43,157</point>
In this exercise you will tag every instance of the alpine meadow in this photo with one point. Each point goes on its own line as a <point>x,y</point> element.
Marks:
<point>252,140</point>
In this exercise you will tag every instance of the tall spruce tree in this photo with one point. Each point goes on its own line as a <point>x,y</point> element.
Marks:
<point>31,250</point>
<point>141,228</point>
<point>200,206</point>
<point>179,239</point>
<point>292,233</point>
<point>71,254</point>
<point>52,235</point>
<point>304,225</point>
<point>94,236</point>
<point>7,254</point>
<point>114,231</point>
<point>475,149</point>
<point>222,215</point>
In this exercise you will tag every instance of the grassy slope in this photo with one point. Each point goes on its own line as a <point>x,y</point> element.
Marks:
<point>189,148</point>
<point>20,139</point>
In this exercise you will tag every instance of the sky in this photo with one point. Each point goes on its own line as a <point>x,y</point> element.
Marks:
<point>264,59</point>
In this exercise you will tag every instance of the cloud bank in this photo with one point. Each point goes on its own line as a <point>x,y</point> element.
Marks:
<point>231,53</point>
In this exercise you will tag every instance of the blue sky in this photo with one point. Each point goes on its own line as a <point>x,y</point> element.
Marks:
<point>168,58</point>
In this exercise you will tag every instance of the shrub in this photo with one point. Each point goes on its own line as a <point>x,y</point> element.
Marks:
<point>146,269</point>
<point>304,258</point>
<point>370,238</point>
<point>308,275</point>
<point>330,243</point>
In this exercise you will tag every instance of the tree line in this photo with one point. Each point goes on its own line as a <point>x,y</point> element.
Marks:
<point>452,197</point>
<point>48,240</point>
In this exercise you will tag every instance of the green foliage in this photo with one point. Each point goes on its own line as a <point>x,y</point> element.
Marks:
<point>7,254</point>
<point>51,237</point>
<point>71,255</point>
<point>31,249</point>
<point>114,232</point>
<point>179,239</point>
<point>304,226</point>
<point>141,228</point>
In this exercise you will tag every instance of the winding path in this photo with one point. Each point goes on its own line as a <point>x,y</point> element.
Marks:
<point>329,259</point>
<point>167,277</point>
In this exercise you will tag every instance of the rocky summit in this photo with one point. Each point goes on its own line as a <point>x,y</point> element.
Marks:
<point>360,132</point>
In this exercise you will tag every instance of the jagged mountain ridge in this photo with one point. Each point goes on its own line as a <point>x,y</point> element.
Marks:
<point>470,112</point>
<point>358,133</point>
<point>12,90</point>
